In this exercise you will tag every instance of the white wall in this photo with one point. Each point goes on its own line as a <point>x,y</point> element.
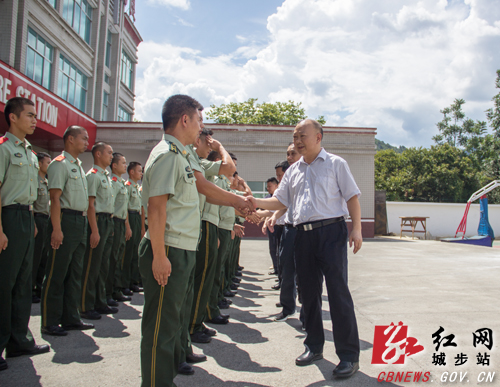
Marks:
<point>444,218</point>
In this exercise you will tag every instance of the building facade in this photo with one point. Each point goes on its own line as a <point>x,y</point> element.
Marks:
<point>74,58</point>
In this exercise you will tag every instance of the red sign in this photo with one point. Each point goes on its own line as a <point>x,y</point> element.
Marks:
<point>54,114</point>
<point>391,344</point>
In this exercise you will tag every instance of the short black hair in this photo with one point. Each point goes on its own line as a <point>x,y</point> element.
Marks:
<point>41,155</point>
<point>116,157</point>
<point>16,106</point>
<point>132,165</point>
<point>98,147</point>
<point>283,165</point>
<point>272,180</point>
<point>233,156</point>
<point>206,132</point>
<point>175,107</point>
<point>73,131</point>
<point>213,155</point>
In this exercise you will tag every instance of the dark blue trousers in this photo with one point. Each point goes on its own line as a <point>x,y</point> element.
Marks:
<point>323,252</point>
<point>273,250</point>
<point>288,291</point>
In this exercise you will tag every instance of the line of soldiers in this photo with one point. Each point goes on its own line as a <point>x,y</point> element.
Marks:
<point>84,228</point>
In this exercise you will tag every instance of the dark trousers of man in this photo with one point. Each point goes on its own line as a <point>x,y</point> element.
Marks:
<point>130,263</point>
<point>278,231</point>
<point>206,262</point>
<point>273,249</point>
<point>288,291</point>
<point>212,307</point>
<point>15,280</point>
<point>96,264</point>
<point>232,260</point>
<point>323,252</point>
<point>161,347</point>
<point>114,281</point>
<point>40,253</point>
<point>225,262</point>
<point>63,276</point>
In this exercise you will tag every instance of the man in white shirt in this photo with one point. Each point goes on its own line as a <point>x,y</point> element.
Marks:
<point>321,192</point>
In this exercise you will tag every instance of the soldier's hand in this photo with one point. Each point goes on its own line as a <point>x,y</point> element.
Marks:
<point>251,200</point>
<point>264,228</point>
<point>357,239</point>
<point>128,233</point>
<point>143,232</point>
<point>232,234</point>
<point>56,239</point>
<point>254,218</point>
<point>161,269</point>
<point>213,143</point>
<point>36,230</point>
<point>94,240</point>
<point>239,230</point>
<point>4,241</point>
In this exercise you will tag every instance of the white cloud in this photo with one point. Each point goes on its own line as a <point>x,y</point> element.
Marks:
<point>182,4</point>
<point>357,62</point>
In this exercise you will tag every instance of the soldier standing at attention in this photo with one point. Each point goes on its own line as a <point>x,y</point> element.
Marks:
<point>122,231</point>
<point>96,264</point>
<point>41,211</point>
<point>18,182</point>
<point>130,273</point>
<point>167,253</point>
<point>68,230</point>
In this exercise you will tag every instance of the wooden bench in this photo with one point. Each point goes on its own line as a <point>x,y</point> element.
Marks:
<point>413,221</point>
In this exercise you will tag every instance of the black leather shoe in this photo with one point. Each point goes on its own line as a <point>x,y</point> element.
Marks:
<point>107,310</point>
<point>219,320</point>
<point>233,287</point>
<point>240,268</point>
<point>278,305</point>
<point>90,315</point>
<point>121,298</point>
<point>345,369</point>
<point>227,301</point>
<point>112,302</point>
<point>194,358</point>
<point>223,305</point>
<point>200,337</point>
<point>276,287</point>
<point>34,300</point>
<point>136,288</point>
<point>308,357</point>
<point>35,350</point>
<point>81,326</point>
<point>226,316</point>
<point>185,369</point>
<point>127,292</point>
<point>54,330</point>
<point>209,332</point>
<point>228,293</point>
<point>3,364</point>
<point>238,274</point>
<point>236,280</point>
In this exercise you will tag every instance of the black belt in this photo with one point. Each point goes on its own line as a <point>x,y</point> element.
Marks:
<point>133,212</point>
<point>289,225</point>
<point>104,214</point>
<point>320,223</point>
<point>74,212</point>
<point>24,207</point>
<point>119,220</point>
<point>40,215</point>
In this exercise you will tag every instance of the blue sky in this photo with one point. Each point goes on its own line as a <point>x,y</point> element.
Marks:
<point>392,65</point>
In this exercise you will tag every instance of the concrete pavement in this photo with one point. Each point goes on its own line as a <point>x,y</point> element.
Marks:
<point>424,284</point>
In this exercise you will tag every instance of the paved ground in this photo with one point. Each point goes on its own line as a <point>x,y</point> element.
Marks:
<point>425,284</point>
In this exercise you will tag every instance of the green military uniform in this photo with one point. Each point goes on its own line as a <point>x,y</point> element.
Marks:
<point>161,347</point>
<point>130,267</point>
<point>62,284</point>
<point>233,257</point>
<point>18,178</point>
<point>114,281</point>
<point>226,224</point>
<point>41,210</point>
<point>96,261</point>
<point>206,256</point>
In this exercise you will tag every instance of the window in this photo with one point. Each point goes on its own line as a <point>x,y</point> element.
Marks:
<point>78,14</point>
<point>105,97</point>
<point>108,50</point>
<point>256,187</point>
<point>127,71</point>
<point>38,59</point>
<point>123,115</point>
<point>72,84</point>
<point>106,78</point>
<point>52,2</point>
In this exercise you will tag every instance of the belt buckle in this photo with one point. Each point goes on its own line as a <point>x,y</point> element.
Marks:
<point>30,207</point>
<point>84,213</point>
<point>308,227</point>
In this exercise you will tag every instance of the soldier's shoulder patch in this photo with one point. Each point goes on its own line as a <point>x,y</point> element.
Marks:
<point>93,170</point>
<point>128,183</point>
<point>34,152</point>
<point>3,139</point>
<point>173,148</point>
<point>114,178</point>
<point>60,158</point>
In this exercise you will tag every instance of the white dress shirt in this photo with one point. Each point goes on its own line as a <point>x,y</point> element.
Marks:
<point>318,190</point>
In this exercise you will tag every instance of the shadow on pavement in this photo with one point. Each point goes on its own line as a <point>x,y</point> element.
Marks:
<point>128,313</point>
<point>111,328</point>
<point>21,372</point>
<point>250,287</point>
<point>77,347</point>
<point>248,294</point>
<point>203,378</point>
<point>245,316</point>
<point>244,302</point>
<point>228,355</point>
<point>241,333</point>
<point>358,379</point>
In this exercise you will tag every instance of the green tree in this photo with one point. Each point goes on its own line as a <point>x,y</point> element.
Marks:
<point>251,112</point>
<point>492,164</point>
